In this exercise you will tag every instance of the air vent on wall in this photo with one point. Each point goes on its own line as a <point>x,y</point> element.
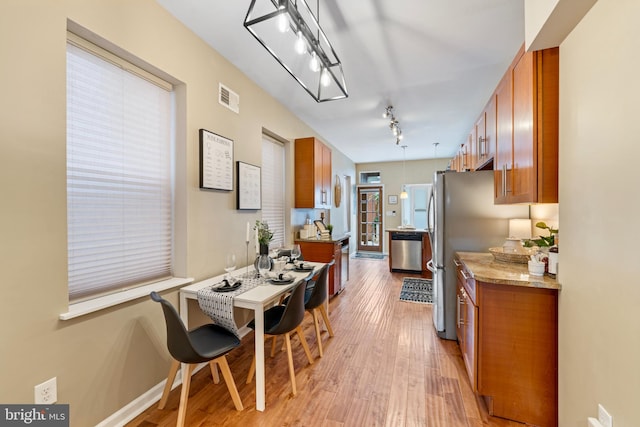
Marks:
<point>229,98</point>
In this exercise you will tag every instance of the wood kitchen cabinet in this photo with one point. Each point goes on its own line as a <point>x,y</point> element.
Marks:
<point>485,136</point>
<point>529,173</point>
<point>456,164</point>
<point>503,160</point>
<point>327,251</point>
<point>312,174</point>
<point>508,336</point>
<point>467,322</point>
<point>472,152</point>
<point>426,256</point>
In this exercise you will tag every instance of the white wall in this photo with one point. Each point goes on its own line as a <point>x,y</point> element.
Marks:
<point>599,204</point>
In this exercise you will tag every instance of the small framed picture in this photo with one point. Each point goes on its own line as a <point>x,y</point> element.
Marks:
<point>216,161</point>
<point>393,199</point>
<point>249,186</point>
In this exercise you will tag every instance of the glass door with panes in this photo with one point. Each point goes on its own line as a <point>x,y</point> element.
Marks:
<point>370,230</point>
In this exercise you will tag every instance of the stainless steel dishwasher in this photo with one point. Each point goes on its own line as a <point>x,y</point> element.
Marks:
<point>406,251</point>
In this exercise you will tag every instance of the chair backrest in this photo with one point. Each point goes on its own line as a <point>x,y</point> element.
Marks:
<point>319,292</point>
<point>178,341</point>
<point>293,312</point>
<point>287,253</point>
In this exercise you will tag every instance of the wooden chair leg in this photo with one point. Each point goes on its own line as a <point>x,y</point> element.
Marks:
<point>228,379</point>
<point>214,372</point>
<point>175,365</point>
<point>325,317</point>
<point>305,346</point>
<point>316,324</point>
<point>252,370</point>
<point>292,373</point>
<point>184,395</point>
<point>273,345</point>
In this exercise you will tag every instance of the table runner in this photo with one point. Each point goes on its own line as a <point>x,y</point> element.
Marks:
<point>219,305</point>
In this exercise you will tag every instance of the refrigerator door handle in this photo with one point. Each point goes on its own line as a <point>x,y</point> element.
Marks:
<point>430,229</point>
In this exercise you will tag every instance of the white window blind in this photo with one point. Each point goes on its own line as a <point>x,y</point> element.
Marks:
<point>273,189</point>
<point>119,187</point>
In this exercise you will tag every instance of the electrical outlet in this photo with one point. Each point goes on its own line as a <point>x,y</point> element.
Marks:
<point>47,392</point>
<point>603,416</point>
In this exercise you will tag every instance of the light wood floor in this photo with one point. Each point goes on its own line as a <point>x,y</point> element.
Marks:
<point>384,367</point>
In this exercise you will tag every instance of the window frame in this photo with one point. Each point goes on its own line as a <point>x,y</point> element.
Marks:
<point>127,293</point>
<point>280,235</point>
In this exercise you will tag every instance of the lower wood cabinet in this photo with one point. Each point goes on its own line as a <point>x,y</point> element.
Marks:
<point>426,256</point>
<point>326,251</point>
<point>508,338</point>
<point>467,323</point>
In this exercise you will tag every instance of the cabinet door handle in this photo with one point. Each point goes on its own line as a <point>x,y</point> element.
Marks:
<point>464,275</point>
<point>458,311</point>
<point>504,179</point>
<point>457,263</point>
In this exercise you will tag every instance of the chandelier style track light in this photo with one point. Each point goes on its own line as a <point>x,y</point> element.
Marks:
<point>394,125</point>
<point>291,33</point>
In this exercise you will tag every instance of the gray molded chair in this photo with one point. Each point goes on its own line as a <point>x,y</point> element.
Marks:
<point>283,320</point>
<point>314,302</point>
<point>208,343</point>
<point>287,253</point>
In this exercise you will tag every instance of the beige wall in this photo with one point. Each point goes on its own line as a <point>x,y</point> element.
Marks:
<point>600,200</point>
<point>548,22</point>
<point>105,360</point>
<point>392,176</point>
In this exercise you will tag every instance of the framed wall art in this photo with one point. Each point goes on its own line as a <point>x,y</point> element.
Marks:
<point>216,161</point>
<point>249,186</point>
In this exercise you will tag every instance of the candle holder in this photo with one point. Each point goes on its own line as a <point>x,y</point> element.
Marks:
<point>247,274</point>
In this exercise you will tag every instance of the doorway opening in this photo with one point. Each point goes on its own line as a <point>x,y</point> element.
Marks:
<point>370,226</point>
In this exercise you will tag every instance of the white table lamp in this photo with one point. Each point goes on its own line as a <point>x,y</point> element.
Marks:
<point>518,229</point>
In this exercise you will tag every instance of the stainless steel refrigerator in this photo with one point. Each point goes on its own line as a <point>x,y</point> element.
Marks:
<point>462,217</point>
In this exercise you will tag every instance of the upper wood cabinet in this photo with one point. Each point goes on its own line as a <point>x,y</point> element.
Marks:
<point>485,136</point>
<point>530,173</point>
<point>312,174</point>
<point>503,160</point>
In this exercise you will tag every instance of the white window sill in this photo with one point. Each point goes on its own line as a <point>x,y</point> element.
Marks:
<point>96,304</point>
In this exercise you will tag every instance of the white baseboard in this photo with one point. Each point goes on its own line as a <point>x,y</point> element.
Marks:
<point>138,406</point>
<point>153,395</point>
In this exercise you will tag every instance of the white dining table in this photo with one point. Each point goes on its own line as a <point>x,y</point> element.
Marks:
<point>257,299</point>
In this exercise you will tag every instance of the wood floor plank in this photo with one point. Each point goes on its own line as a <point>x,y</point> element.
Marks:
<point>385,366</point>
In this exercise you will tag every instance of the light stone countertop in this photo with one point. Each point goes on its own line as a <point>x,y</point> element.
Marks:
<point>415,230</point>
<point>332,239</point>
<point>484,267</point>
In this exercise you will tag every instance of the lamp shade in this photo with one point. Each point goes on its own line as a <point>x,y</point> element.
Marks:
<point>520,228</point>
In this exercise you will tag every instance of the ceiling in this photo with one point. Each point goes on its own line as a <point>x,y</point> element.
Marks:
<point>436,61</point>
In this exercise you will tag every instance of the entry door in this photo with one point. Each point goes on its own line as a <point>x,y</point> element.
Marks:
<point>370,229</point>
